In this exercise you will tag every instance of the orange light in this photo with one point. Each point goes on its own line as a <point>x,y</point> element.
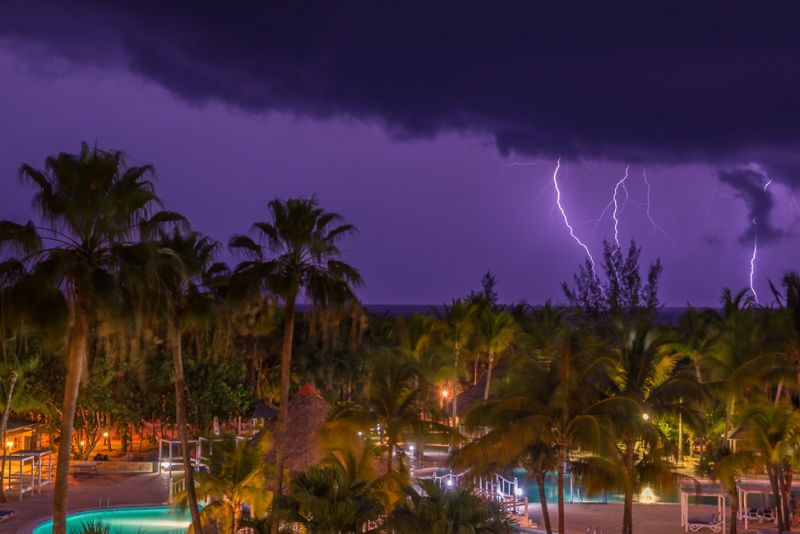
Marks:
<point>105,434</point>
<point>445,393</point>
<point>10,444</point>
<point>83,443</point>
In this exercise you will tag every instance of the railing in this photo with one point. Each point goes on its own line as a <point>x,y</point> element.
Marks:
<point>177,485</point>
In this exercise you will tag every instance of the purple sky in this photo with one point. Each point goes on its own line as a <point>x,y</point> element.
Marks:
<point>434,211</point>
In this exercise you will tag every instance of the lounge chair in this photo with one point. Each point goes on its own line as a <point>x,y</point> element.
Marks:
<point>6,514</point>
<point>713,523</point>
<point>767,514</point>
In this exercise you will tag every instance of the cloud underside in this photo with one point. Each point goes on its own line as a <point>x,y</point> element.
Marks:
<point>626,82</point>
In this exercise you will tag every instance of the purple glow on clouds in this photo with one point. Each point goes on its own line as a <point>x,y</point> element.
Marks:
<point>433,215</point>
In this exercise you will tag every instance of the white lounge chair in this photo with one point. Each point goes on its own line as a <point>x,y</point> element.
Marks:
<point>713,523</point>
<point>6,514</point>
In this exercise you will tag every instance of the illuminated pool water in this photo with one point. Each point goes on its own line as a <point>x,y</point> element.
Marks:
<point>144,520</point>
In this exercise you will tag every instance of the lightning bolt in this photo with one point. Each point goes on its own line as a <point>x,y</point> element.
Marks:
<point>753,263</point>
<point>564,214</point>
<point>648,205</point>
<point>754,256</point>
<point>614,214</point>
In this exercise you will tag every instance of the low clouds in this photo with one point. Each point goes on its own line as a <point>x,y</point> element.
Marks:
<point>752,186</point>
<point>632,82</point>
<point>628,81</point>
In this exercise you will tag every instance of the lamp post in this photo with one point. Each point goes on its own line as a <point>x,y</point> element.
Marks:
<point>107,438</point>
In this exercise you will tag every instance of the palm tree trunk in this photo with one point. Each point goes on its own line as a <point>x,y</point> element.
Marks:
<point>488,376</point>
<point>728,413</point>
<point>627,512</point>
<point>562,460</point>
<point>734,495</point>
<point>283,409</point>
<point>180,419</point>
<point>455,386</point>
<point>390,453</point>
<point>543,500</point>
<point>3,429</point>
<point>77,348</point>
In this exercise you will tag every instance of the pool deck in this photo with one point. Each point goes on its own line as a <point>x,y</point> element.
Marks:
<point>87,492</point>
<point>647,518</point>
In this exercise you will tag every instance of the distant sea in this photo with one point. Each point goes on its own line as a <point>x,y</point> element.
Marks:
<point>667,315</point>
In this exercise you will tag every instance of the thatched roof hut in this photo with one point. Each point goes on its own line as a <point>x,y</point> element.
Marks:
<point>308,411</point>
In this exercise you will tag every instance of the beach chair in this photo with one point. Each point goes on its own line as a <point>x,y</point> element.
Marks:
<point>767,515</point>
<point>6,514</point>
<point>754,514</point>
<point>713,523</point>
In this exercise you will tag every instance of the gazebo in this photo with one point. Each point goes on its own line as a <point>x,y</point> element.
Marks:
<point>758,486</point>
<point>702,488</point>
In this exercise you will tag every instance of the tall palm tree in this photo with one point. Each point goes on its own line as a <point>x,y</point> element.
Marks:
<point>91,205</point>
<point>185,268</point>
<point>458,325</point>
<point>496,331</point>
<point>549,409</point>
<point>646,384</point>
<point>296,252</point>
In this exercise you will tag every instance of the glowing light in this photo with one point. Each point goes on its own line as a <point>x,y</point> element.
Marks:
<point>449,482</point>
<point>564,214</point>
<point>360,433</point>
<point>647,495</point>
<point>518,492</point>
<point>10,444</point>
<point>105,434</point>
<point>646,416</point>
<point>614,214</point>
<point>445,393</point>
<point>83,443</point>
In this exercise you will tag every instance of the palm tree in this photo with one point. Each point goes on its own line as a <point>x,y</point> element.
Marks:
<point>546,409</point>
<point>727,466</point>
<point>496,330</point>
<point>296,251</point>
<point>326,500</point>
<point>772,431</point>
<point>185,270</point>
<point>433,510</point>
<point>395,404</point>
<point>646,384</point>
<point>91,206</point>
<point>235,477</point>
<point>457,324</point>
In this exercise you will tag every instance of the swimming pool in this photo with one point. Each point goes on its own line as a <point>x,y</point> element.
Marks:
<point>145,520</point>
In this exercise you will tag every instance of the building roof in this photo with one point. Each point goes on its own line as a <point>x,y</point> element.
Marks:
<point>308,411</point>
<point>18,424</point>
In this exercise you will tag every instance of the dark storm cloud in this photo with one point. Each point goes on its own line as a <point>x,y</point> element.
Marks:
<point>635,82</point>
<point>751,186</point>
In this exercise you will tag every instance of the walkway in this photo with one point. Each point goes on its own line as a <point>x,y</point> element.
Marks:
<point>647,518</point>
<point>88,492</point>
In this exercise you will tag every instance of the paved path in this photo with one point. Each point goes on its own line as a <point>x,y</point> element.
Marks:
<point>88,492</point>
<point>647,518</point>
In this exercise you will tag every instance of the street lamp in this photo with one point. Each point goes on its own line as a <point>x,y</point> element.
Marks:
<point>107,437</point>
<point>646,416</point>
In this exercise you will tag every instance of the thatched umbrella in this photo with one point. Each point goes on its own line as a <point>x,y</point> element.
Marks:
<point>308,411</point>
